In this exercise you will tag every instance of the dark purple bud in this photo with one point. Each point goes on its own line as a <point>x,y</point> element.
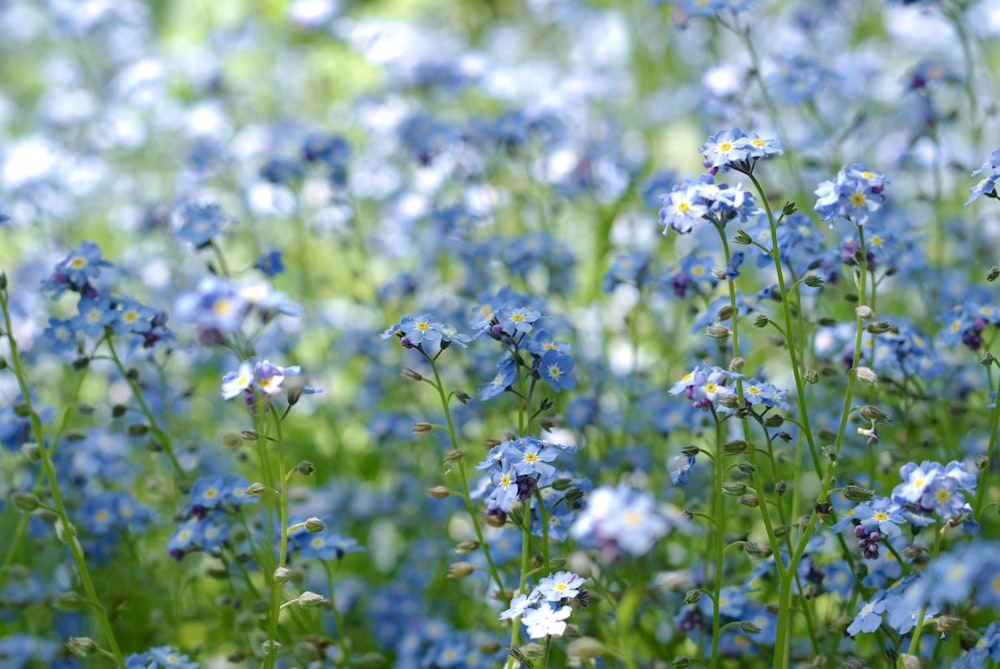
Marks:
<point>209,337</point>
<point>526,487</point>
<point>860,532</point>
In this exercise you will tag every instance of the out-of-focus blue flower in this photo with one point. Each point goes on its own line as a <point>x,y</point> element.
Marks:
<point>854,194</point>
<point>200,223</point>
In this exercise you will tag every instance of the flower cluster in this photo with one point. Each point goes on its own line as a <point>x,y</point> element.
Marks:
<point>97,311</point>
<point>548,359</point>
<point>425,333</point>
<point>703,199</point>
<point>311,539</point>
<point>515,469</point>
<point>705,385</point>
<point>219,306</point>
<point>544,610</point>
<point>262,375</point>
<point>213,501</point>
<point>948,581</point>
<point>854,194</point>
<point>872,521</point>
<point>734,149</point>
<point>622,519</point>
<point>160,657</point>
<point>930,491</point>
<point>966,323</point>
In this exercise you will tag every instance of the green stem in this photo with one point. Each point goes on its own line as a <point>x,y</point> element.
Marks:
<point>783,633</point>
<point>65,530</point>
<point>161,436</point>
<point>276,587</point>
<point>337,616</point>
<point>787,314</point>
<point>744,421</point>
<point>719,544</point>
<point>981,489</point>
<point>915,639</point>
<point>476,524</point>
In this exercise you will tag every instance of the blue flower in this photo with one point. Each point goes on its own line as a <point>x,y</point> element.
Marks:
<point>200,223</point>
<point>681,468</point>
<point>986,185</point>
<point>517,321</point>
<point>60,336</point>
<point>506,375</point>
<point>94,313</point>
<point>735,149</point>
<point>76,271</point>
<point>555,368</point>
<point>854,194</point>
<point>270,264</point>
<point>869,618</point>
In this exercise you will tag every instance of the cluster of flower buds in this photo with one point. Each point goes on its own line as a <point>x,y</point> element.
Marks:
<point>867,541</point>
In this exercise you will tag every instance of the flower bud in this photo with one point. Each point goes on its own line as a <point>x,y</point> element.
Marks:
<point>412,375</point>
<point>467,546</point>
<point>734,447</point>
<point>282,574</point>
<point>755,550</point>
<point>734,487</point>
<point>25,501</point>
<point>814,281</point>
<point>719,273</point>
<point>309,600</point>
<point>724,313</point>
<point>878,327</point>
<point>585,647</point>
<point>692,597</point>
<point>742,238</point>
<point>993,273</point>
<point>305,468</point>
<point>750,500</point>
<point>868,412</point>
<point>69,601</point>
<point>717,331</point>
<point>453,457</point>
<point>761,321</point>
<point>255,489</point>
<point>438,492</point>
<point>865,374</point>
<point>460,569</point>
<point>31,451</point>
<point>81,646</point>
<point>858,494</point>
<point>422,427</point>
<point>314,525</point>
<point>774,420</point>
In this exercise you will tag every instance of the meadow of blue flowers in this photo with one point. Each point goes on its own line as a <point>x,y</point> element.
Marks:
<point>499,333</point>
